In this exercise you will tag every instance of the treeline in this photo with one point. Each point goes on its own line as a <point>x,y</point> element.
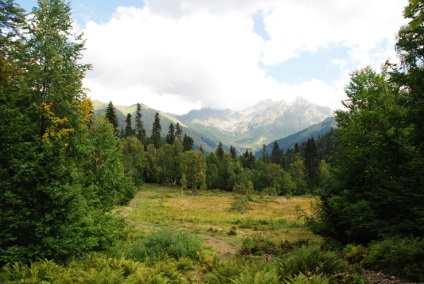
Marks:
<point>171,160</point>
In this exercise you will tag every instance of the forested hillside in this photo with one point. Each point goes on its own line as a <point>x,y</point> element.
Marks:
<point>69,175</point>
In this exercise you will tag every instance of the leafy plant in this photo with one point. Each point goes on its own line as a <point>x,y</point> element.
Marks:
<point>311,260</point>
<point>240,204</point>
<point>162,244</point>
<point>259,245</point>
<point>398,256</point>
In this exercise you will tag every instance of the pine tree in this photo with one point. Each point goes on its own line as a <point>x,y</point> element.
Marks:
<point>129,131</point>
<point>187,143</point>
<point>276,156</point>
<point>233,152</point>
<point>44,147</point>
<point>140,132</point>
<point>220,151</point>
<point>112,117</point>
<point>156,130</point>
<point>178,132</point>
<point>264,155</point>
<point>312,162</point>
<point>170,137</point>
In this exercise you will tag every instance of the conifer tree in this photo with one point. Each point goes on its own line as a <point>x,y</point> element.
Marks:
<point>48,179</point>
<point>276,154</point>
<point>178,132</point>
<point>112,117</point>
<point>233,152</point>
<point>156,130</point>
<point>129,131</point>
<point>140,132</point>
<point>312,162</point>
<point>264,155</point>
<point>220,151</point>
<point>170,136</point>
<point>187,143</point>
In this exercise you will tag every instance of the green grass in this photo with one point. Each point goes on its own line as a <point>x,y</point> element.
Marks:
<point>212,213</point>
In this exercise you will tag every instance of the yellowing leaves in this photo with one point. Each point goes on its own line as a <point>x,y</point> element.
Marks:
<point>56,129</point>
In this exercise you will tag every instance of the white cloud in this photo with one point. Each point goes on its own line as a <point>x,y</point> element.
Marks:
<point>189,54</point>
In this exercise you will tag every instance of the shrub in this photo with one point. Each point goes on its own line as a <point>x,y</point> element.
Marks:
<point>355,254</point>
<point>162,244</point>
<point>403,257</point>
<point>311,260</point>
<point>240,204</point>
<point>259,245</point>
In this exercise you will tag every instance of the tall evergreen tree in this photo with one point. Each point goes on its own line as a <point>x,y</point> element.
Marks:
<point>46,179</point>
<point>276,155</point>
<point>220,151</point>
<point>156,131</point>
<point>376,183</point>
<point>170,136</point>
<point>129,131</point>
<point>312,162</point>
<point>178,132</point>
<point>140,132</point>
<point>233,152</point>
<point>187,143</point>
<point>264,155</point>
<point>112,117</point>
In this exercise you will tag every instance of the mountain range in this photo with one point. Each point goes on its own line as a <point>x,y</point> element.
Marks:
<point>251,128</point>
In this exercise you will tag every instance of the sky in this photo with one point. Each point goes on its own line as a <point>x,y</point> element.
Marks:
<point>179,55</point>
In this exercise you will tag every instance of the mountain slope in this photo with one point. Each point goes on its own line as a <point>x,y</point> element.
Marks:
<point>257,125</point>
<point>302,136</point>
<point>250,128</point>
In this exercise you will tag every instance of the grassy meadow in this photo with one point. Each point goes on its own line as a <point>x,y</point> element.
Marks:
<point>210,213</point>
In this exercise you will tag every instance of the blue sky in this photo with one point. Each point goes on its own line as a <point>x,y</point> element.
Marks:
<point>178,55</point>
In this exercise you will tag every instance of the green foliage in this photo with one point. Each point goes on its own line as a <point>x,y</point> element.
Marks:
<point>311,260</point>
<point>50,177</point>
<point>162,244</point>
<point>307,279</point>
<point>256,275</point>
<point>193,166</point>
<point>372,192</point>
<point>375,186</point>
<point>240,203</point>
<point>242,271</point>
<point>112,117</point>
<point>133,158</point>
<point>140,132</point>
<point>403,257</point>
<point>156,130</point>
<point>312,162</point>
<point>259,245</point>
<point>96,268</point>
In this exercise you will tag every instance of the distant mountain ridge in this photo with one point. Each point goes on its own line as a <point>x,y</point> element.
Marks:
<point>302,136</point>
<point>260,124</point>
<point>250,128</point>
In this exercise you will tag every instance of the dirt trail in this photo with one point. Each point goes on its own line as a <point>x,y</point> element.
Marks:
<point>224,247</point>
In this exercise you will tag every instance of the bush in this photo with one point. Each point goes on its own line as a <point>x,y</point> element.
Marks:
<point>240,204</point>
<point>311,260</point>
<point>402,257</point>
<point>259,245</point>
<point>162,244</point>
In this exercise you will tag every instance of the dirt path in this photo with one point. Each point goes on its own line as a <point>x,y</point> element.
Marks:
<point>224,247</point>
